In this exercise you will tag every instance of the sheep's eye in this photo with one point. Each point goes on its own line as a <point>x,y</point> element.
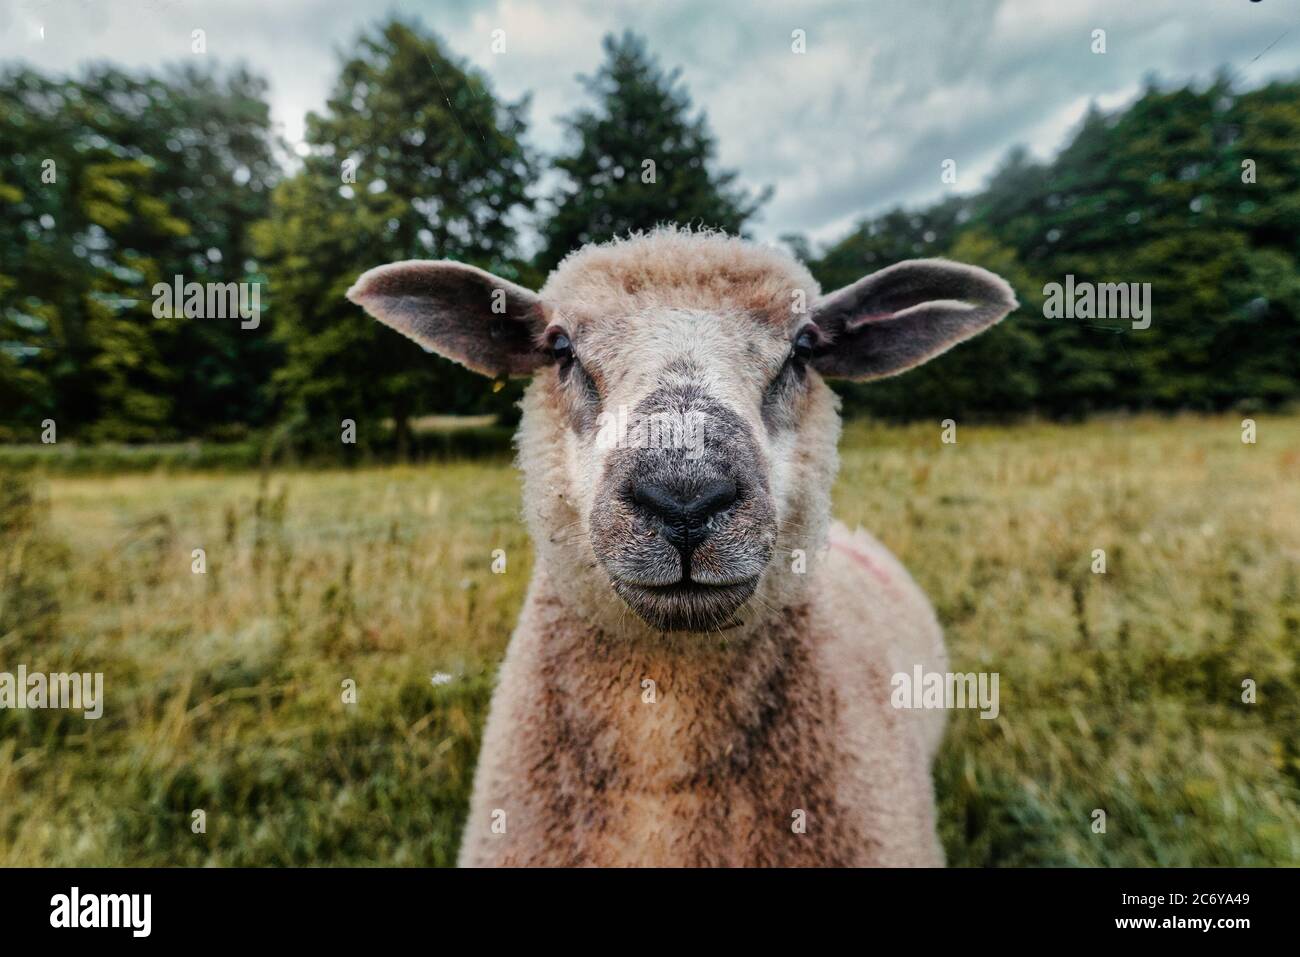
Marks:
<point>804,345</point>
<point>562,349</point>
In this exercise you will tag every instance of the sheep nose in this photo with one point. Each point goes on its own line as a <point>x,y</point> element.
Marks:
<point>684,512</point>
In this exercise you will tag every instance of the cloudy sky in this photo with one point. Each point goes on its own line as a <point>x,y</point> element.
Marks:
<point>886,91</point>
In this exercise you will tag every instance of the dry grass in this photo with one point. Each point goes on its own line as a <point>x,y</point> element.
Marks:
<point>1119,691</point>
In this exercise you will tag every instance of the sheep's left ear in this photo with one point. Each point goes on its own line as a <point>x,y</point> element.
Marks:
<point>486,323</point>
<point>903,315</point>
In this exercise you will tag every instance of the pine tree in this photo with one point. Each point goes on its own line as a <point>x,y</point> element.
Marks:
<point>639,159</point>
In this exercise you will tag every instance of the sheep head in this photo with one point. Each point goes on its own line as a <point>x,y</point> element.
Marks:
<point>678,417</point>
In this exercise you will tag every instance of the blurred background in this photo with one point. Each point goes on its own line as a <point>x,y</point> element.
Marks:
<point>180,165</point>
<point>295,146</point>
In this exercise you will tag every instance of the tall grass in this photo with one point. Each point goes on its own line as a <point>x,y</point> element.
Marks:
<point>1120,692</point>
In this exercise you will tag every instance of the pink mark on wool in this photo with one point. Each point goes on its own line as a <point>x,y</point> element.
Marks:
<point>866,561</point>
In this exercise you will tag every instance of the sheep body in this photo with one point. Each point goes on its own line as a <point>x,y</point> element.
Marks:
<point>774,742</point>
<point>738,742</point>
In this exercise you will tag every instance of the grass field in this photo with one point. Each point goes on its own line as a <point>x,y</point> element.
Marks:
<point>1120,691</point>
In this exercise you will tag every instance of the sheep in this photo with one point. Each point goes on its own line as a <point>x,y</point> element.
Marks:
<point>700,675</point>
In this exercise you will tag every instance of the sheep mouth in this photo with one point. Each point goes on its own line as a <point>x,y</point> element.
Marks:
<point>687,605</point>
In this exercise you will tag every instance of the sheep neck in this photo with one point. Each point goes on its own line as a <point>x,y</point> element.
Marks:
<point>664,710</point>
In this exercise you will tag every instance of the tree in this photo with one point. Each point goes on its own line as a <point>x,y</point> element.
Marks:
<point>116,181</point>
<point>413,158</point>
<point>639,159</point>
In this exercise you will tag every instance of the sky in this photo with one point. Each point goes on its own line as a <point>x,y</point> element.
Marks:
<point>860,122</point>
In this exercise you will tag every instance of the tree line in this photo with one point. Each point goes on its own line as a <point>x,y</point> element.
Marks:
<point>113,181</point>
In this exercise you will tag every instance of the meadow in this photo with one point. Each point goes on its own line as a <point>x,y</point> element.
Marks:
<point>1120,691</point>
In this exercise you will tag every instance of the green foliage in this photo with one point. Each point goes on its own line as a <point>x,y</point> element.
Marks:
<point>641,113</point>
<point>101,458</point>
<point>440,173</point>
<point>113,182</point>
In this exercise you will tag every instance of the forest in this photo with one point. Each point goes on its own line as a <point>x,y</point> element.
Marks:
<point>116,181</point>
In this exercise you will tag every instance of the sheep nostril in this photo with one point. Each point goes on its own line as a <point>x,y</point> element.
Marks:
<point>658,500</point>
<point>714,498</point>
<point>687,513</point>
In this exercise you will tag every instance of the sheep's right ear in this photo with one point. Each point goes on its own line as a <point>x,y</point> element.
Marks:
<point>486,323</point>
<point>906,314</point>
